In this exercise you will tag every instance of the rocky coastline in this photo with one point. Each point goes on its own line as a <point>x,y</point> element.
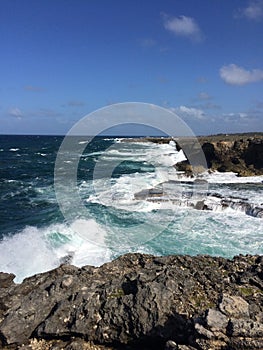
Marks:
<point>137,301</point>
<point>238,153</point>
<point>145,302</point>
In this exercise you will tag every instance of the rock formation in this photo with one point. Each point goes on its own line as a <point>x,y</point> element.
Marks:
<point>195,194</point>
<point>241,154</point>
<point>137,302</point>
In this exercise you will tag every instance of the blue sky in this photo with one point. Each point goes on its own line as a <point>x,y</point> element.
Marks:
<point>62,59</point>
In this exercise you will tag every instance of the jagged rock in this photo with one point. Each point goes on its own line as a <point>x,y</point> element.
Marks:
<point>203,332</point>
<point>185,167</point>
<point>138,301</point>
<point>245,328</point>
<point>216,320</point>
<point>171,345</point>
<point>185,347</point>
<point>234,306</point>
<point>6,279</point>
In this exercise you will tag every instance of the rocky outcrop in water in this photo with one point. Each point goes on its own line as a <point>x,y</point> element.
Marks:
<point>137,302</point>
<point>196,194</point>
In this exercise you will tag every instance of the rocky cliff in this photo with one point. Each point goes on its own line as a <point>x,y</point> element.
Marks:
<point>242,154</point>
<point>137,302</point>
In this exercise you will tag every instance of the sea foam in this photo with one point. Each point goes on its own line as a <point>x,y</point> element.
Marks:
<point>35,250</point>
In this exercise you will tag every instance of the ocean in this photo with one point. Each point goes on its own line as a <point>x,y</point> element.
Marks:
<point>132,200</point>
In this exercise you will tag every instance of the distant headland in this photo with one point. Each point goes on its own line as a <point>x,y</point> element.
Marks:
<point>238,153</point>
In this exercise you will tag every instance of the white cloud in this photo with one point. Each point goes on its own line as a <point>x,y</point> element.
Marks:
<point>183,26</point>
<point>191,112</point>
<point>254,11</point>
<point>238,117</point>
<point>15,112</point>
<point>235,75</point>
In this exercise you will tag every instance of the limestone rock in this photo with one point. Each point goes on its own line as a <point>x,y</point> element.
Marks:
<point>138,301</point>
<point>241,154</point>
<point>234,306</point>
<point>216,320</point>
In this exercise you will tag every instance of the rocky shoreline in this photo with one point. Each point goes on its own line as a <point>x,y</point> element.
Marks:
<point>238,153</point>
<point>195,194</point>
<point>137,301</point>
<point>241,154</point>
<point>145,302</point>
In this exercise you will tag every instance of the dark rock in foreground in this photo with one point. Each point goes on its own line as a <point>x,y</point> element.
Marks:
<point>137,302</point>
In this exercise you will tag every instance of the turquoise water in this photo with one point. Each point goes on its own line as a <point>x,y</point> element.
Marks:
<point>35,236</point>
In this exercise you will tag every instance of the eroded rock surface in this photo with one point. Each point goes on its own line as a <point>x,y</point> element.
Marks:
<point>241,154</point>
<point>137,302</point>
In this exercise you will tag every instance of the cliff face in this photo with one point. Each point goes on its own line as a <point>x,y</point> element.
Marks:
<point>244,157</point>
<point>138,302</point>
<point>240,154</point>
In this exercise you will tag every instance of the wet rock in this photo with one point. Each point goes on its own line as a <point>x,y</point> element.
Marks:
<point>185,167</point>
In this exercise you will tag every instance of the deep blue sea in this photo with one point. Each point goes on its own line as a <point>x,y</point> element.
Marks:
<point>132,199</point>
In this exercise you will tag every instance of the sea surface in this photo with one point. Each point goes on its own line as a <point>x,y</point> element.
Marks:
<point>133,200</point>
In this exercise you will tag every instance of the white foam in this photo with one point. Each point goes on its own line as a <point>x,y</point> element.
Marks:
<point>148,152</point>
<point>35,250</point>
<point>91,154</point>
<point>120,192</point>
<point>26,253</point>
<point>117,139</point>
<point>14,149</point>
<point>230,177</point>
<point>89,229</point>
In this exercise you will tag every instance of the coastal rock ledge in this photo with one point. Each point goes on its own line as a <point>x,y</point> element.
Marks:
<point>137,301</point>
